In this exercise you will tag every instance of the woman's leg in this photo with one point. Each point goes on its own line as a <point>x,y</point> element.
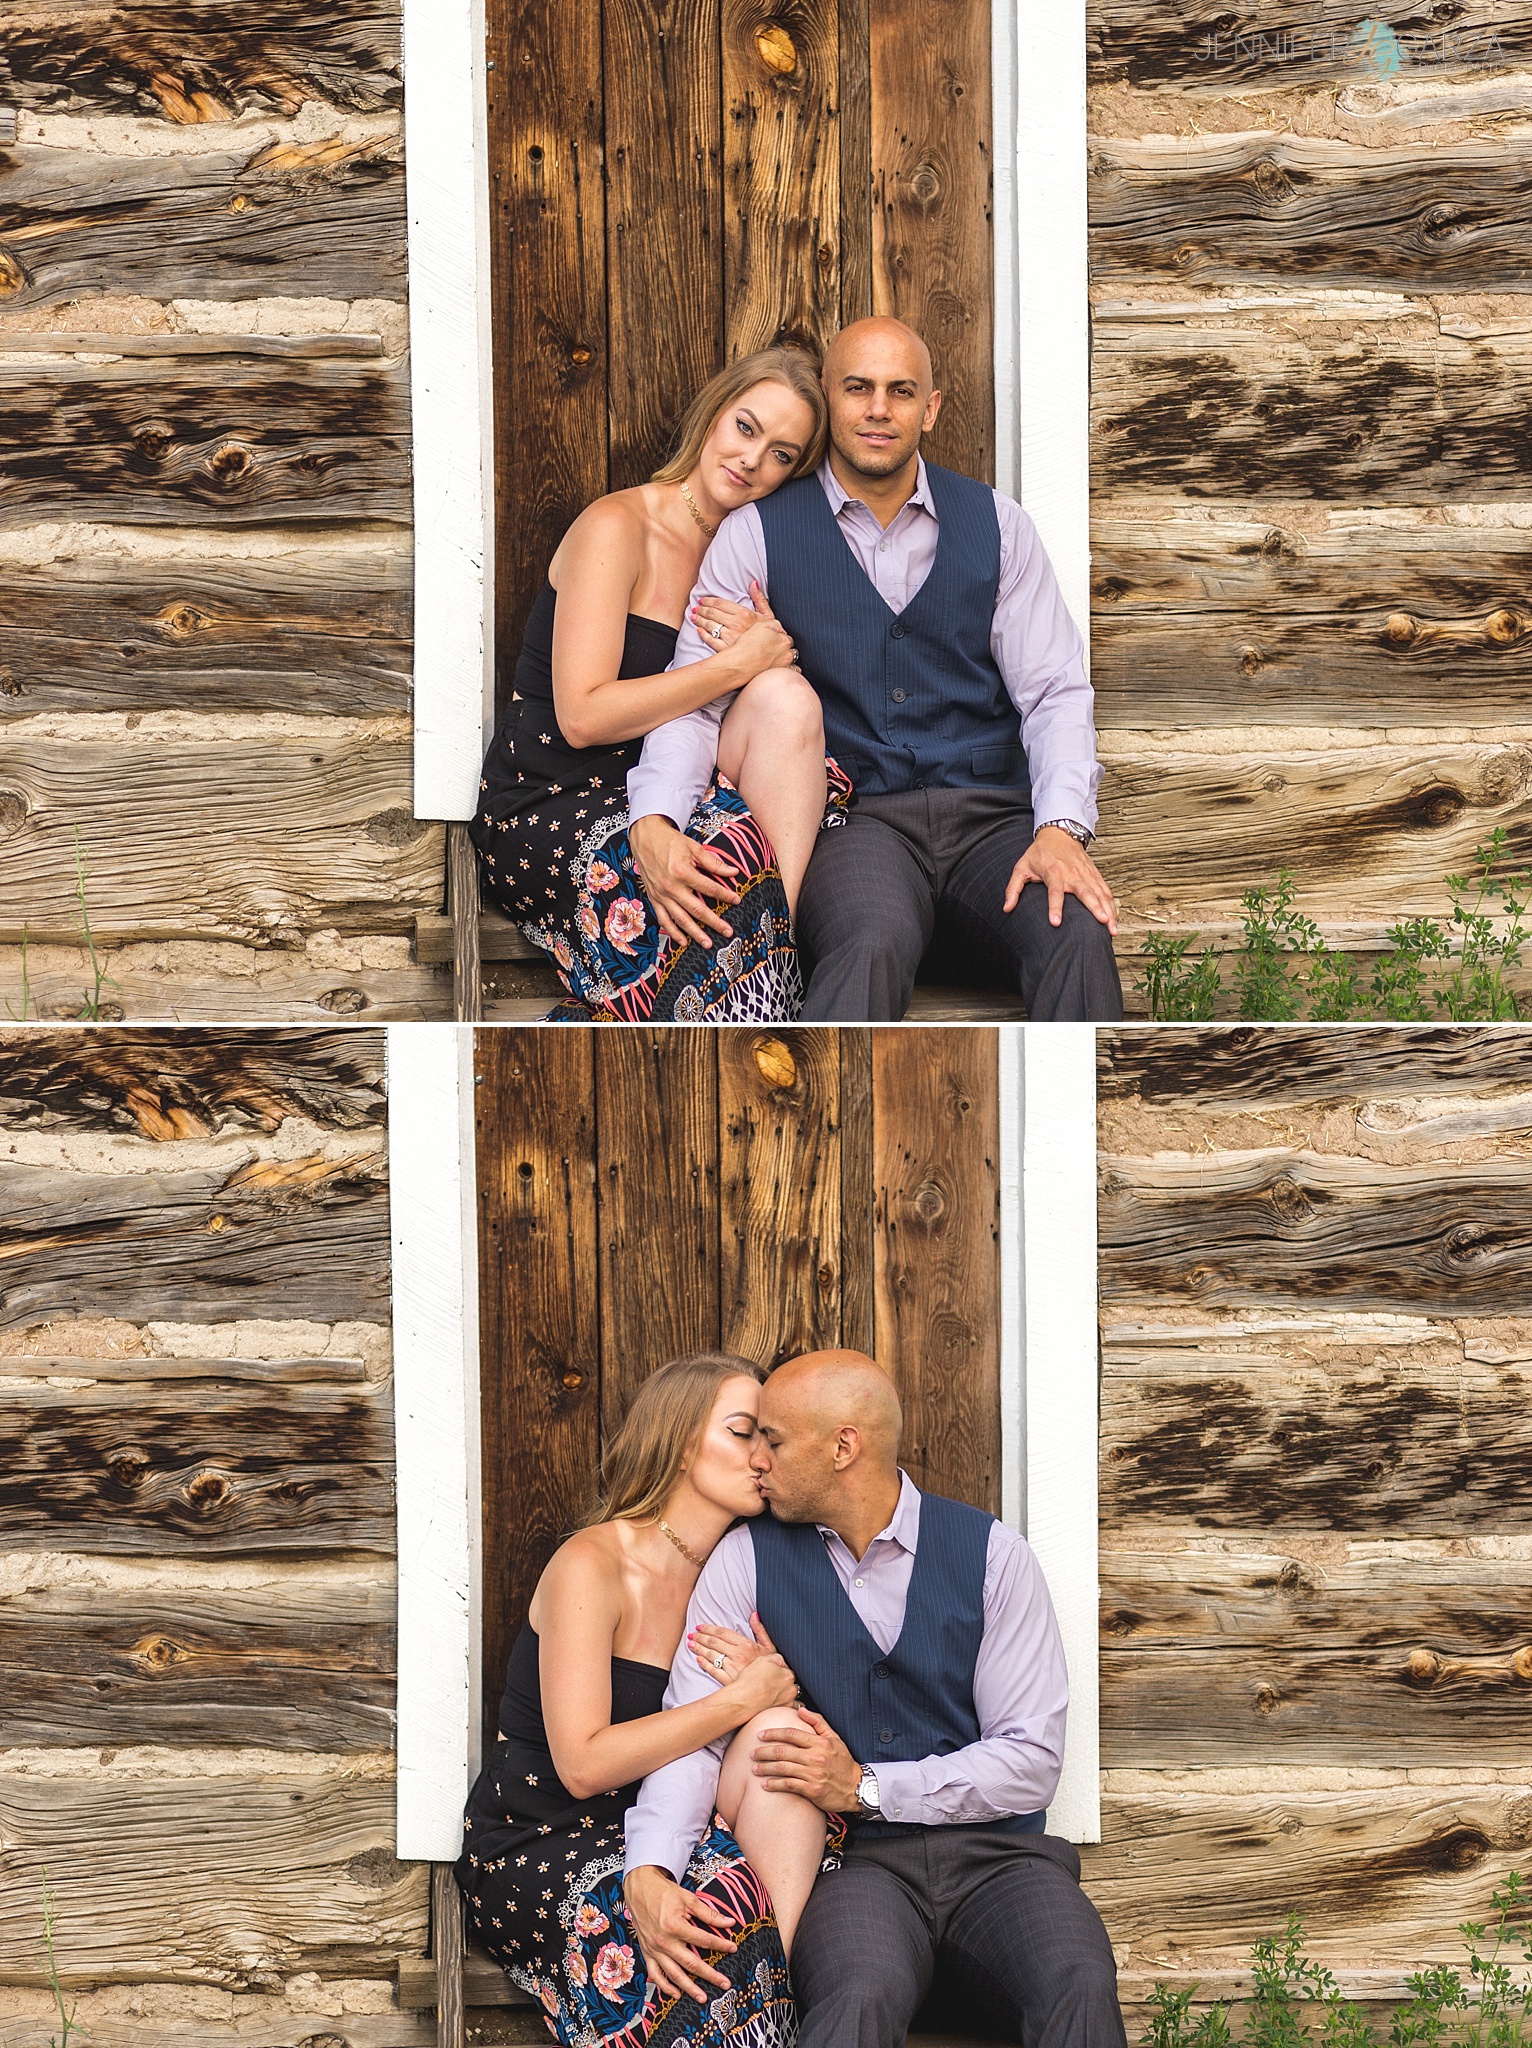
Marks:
<point>772,748</point>
<point>783,1836</point>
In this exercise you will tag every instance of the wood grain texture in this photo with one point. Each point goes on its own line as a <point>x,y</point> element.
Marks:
<point>463,903</point>
<point>301,1667</point>
<point>1369,830</point>
<point>314,632</point>
<point>1223,1070</point>
<point>1271,209</point>
<point>307,2030</point>
<point>657,1182</point>
<point>447,1954</point>
<point>933,237</point>
<point>1293,1226</point>
<point>781,174</point>
<point>238,1239</point>
<point>1240,622</point>
<point>1217,1440</point>
<point>254,838</point>
<point>856,189</point>
<point>1209,414</point>
<point>180,983</point>
<point>204,440</point>
<point>1159,44</point>
<point>1263,1659</point>
<point>164,1468</point>
<point>255,1878</point>
<point>540,1347</point>
<point>664,220</point>
<point>546,112</point>
<point>186,61</point>
<point>857,1181</point>
<point>189,1084</point>
<point>780,1190</point>
<point>318,219</point>
<point>936,1252</point>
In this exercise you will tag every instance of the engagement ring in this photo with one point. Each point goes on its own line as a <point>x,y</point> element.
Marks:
<point>718,632</point>
<point>719,1662</point>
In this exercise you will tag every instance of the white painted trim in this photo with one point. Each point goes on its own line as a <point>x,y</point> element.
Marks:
<point>1059,1308</point>
<point>434,1229</point>
<point>1004,85</point>
<point>1051,294</point>
<point>1013,1368</point>
<point>446,135</point>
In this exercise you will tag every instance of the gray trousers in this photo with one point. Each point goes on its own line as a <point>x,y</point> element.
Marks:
<point>996,1922</point>
<point>928,864</point>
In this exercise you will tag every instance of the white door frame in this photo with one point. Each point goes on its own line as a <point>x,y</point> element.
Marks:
<point>1048,1412</point>
<point>1042,347</point>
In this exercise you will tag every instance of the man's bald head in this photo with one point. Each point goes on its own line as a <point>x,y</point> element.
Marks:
<point>829,1389</point>
<point>878,380</point>
<point>883,344</point>
<point>829,1424</point>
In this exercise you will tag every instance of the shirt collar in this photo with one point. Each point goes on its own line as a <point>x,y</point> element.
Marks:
<point>840,498</point>
<point>903,1525</point>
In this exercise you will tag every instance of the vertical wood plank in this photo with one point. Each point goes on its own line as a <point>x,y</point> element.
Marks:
<point>855,162</point>
<point>547,224</point>
<point>936,1135</point>
<point>856,1190</point>
<point>933,244</point>
<point>657,1195</point>
<point>780,1186</point>
<point>537,1310</point>
<point>781,173</point>
<point>664,223</point>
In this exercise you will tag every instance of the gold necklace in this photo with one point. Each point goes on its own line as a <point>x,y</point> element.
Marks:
<point>691,505</point>
<point>690,1555</point>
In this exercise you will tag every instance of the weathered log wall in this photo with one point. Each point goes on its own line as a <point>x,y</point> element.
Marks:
<point>1316,1539</point>
<point>1311,474</point>
<point>197,1646</point>
<point>204,516</point>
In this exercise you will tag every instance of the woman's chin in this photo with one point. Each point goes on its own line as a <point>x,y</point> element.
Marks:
<point>757,1506</point>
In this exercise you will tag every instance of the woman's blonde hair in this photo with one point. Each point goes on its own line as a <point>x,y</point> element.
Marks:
<point>789,366</point>
<point>640,1466</point>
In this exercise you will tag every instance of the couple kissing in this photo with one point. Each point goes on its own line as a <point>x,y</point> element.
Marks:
<point>777,1742</point>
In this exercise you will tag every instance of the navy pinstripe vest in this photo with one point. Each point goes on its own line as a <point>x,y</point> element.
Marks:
<point>914,699</point>
<point>917,1699</point>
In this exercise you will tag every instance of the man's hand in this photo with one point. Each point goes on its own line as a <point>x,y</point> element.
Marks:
<point>1064,868</point>
<point>678,877</point>
<point>672,1925</point>
<point>809,1758</point>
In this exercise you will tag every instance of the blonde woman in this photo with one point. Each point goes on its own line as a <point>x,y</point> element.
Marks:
<point>581,1724</point>
<point>592,681</point>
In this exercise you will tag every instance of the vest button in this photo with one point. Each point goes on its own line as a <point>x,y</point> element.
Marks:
<point>880,1671</point>
<point>898,632</point>
<point>898,696</point>
<point>885,1735</point>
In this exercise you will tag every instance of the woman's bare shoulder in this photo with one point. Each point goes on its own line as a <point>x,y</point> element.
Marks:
<point>611,531</point>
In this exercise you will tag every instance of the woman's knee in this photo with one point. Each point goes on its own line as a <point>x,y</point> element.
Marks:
<point>787,706</point>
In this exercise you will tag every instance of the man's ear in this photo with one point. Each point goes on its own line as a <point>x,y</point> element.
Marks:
<point>848,1444</point>
<point>933,407</point>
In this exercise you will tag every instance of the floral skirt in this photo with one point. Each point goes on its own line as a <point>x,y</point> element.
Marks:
<point>554,1919</point>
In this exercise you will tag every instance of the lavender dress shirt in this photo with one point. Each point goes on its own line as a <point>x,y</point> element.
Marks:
<point>1020,1690</point>
<point>1035,642</point>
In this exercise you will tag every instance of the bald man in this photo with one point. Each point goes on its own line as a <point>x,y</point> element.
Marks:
<point>926,614</point>
<point>924,1642</point>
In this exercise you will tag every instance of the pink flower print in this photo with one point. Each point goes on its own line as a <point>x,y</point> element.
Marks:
<point>574,1967</point>
<point>588,921</point>
<point>614,1968</point>
<point>550,1998</point>
<point>603,877</point>
<point>624,921</point>
<point>562,953</point>
<point>589,1919</point>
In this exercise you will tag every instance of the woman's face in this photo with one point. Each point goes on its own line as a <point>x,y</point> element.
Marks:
<point>755,444</point>
<point>720,1466</point>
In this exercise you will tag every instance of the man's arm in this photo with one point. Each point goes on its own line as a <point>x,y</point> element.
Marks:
<point>1039,652</point>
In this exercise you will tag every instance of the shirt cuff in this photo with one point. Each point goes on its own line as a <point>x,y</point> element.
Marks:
<point>899,1792</point>
<point>669,1850</point>
<point>1064,796</point>
<point>651,794</point>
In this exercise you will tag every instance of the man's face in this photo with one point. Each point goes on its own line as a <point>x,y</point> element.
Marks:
<point>793,1461</point>
<point>881,402</point>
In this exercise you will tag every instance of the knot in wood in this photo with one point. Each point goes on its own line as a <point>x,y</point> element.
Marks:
<point>342,1002</point>
<point>929,1203</point>
<point>395,829</point>
<point>1468,1242</point>
<point>776,49</point>
<point>153,439</point>
<point>1521,1665</point>
<point>775,1063</point>
<point>1422,1668</point>
<point>208,1491</point>
<point>157,1653</point>
<point>1271,182</point>
<point>573,1381</point>
<point>181,621</point>
<point>1440,222</point>
<point>1506,627</point>
<point>580,355</point>
<point>14,809</point>
<point>9,687</point>
<point>1401,629</point>
<point>1295,1578</point>
<point>1251,660</point>
<point>12,277</point>
<point>128,1466</point>
<point>926,184</point>
<point>231,464</point>
<point>1460,1849</point>
<point>1267,1698</point>
<point>1437,806</point>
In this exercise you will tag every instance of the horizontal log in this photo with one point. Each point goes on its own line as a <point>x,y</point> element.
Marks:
<point>165,1468</point>
<point>499,939</point>
<point>1230,1071</point>
<point>320,631</point>
<point>265,1669</point>
<point>302,220</point>
<point>188,1084</point>
<point>1240,622</point>
<point>218,439</point>
<point>234,1881</point>
<point>1209,413</point>
<point>187,60</point>
<point>187,982</point>
<point>1217,1440</point>
<point>286,1238</point>
<point>1163,45</point>
<point>50,341</point>
<point>292,2029</point>
<point>1369,831</point>
<point>250,838</point>
<point>140,1367</point>
<point>1272,209</point>
<point>1387,1873</point>
<point>1262,1659</point>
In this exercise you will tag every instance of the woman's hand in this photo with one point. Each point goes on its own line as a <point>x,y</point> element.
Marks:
<point>723,1653</point>
<point>765,1683</point>
<point>678,877</point>
<point>724,625</point>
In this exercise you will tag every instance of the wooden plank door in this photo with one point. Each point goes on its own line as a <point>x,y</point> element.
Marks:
<point>643,1193</point>
<point>677,182</point>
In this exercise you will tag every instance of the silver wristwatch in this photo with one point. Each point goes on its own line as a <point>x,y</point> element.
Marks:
<point>1081,832</point>
<point>869,1801</point>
